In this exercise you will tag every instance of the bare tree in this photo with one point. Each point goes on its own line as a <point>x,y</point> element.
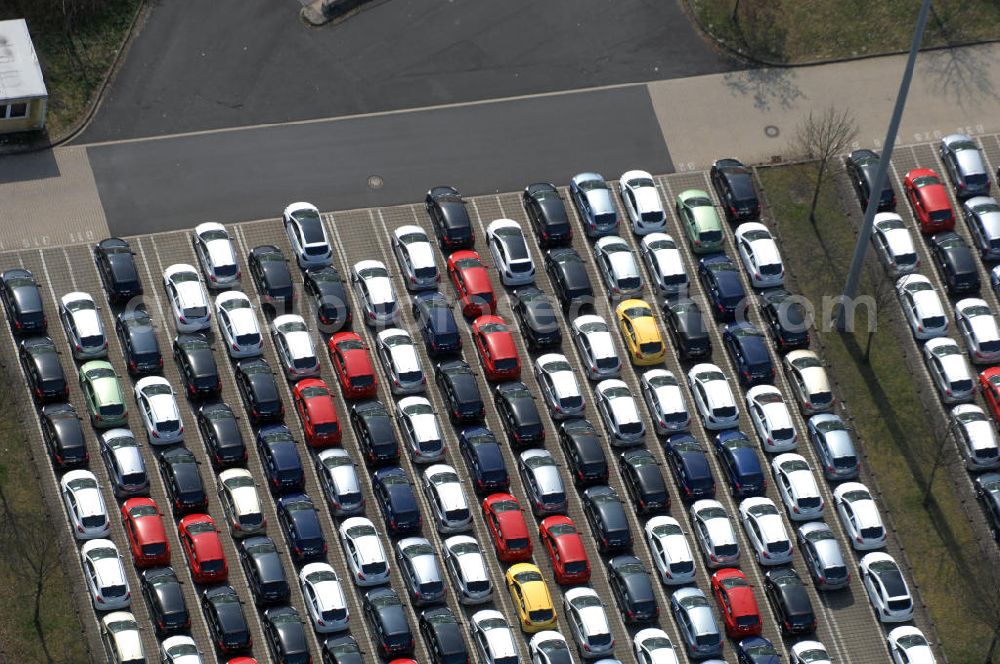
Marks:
<point>882,289</point>
<point>820,138</point>
<point>943,434</point>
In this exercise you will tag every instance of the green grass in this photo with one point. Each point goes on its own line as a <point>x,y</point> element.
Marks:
<point>897,435</point>
<point>802,31</point>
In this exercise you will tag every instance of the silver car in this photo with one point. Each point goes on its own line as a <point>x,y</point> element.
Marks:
<point>448,505</point>
<point>420,571</point>
<point>421,432</point>
<point>982,216</point>
<point>592,198</point>
<point>83,326</point>
<point>588,622</point>
<point>467,568</point>
<point>338,475</point>
<point>542,482</point>
<point>964,163</point>
<point>834,445</point>
<point>824,558</point>
<point>214,249</point>
<point>696,624</point>
<point>593,340</point>
<point>123,459</point>
<point>618,268</point>
<point>416,258</point>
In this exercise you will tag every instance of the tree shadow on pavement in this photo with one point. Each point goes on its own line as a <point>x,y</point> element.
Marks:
<point>961,74</point>
<point>770,87</point>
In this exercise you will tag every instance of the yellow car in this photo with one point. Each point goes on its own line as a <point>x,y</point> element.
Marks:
<point>642,337</point>
<point>531,598</point>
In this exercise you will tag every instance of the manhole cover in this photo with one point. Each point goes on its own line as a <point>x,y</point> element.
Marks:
<point>771,131</point>
<point>375,182</point>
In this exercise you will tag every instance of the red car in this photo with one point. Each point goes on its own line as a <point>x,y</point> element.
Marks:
<point>147,536</point>
<point>989,385</point>
<point>403,661</point>
<point>318,412</point>
<point>497,351</point>
<point>203,548</point>
<point>504,518</point>
<point>736,603</point>
<point>929,199</point>
<point>472,282</point>
<point>565,548</point>
<point>242,660</point>
<point>353,365</point>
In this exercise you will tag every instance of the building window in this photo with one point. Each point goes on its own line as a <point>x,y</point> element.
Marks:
<point>13,111</point>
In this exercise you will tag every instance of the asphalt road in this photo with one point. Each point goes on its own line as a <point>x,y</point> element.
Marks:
<point>205,65</point>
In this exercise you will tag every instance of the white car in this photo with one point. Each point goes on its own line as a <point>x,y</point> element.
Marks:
<point>399,358</point>
<point>324,598</point>
<point>307,236</point>
<point>593,340</point>
<point>887,590</point>
<point>809,382</point>
<point>238,325</point>
<point>493,637</point>
<point>797,487</point>
<point>448,505</point>
<point>81,496</point>
<point>665,401</point>
<point>976,437</point>
<point>158,409</point>
<point>241,503</point>
<point>810,652</point>
<point>105,575</point>
<point>120,634</point>
<point>766,531</point>
<point>187,297</point>
<point>588,622</point>
<point>549,647</point>
<point>374,289</point>
<point>179,649</point>
<point>618,268</point>
<point>982,216</point>
<point>670,550</point>
<point>949,370</point>
<point>714,533</point>
<point>859,514</point>
<point>294,347</point>
<point>464,561</point>
<point>558,385</point>
<point>338,476</point>
<point>771,420</point>
<point>416,258</point>
<point>978,327</point>
<point>83,327</point>
<point>653,646</point>
<point>619,412</point>
<point>421,431</point>
<point>665,264</point>
<point>908,645</point>
<point>713,398</point>
<point>214,249</point>
<point>921,306</point>
<point>642,202</point>
<point>510,253</point>
<point>760,255</point>
<point>363,551</point>
<point>894,244</point>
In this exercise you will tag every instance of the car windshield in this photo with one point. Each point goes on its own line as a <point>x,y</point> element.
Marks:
<point>365,530</point>
<point>721,266</point>
<point>466,263</point>
<point>925,180</point>
<point>588,185</point>
<point>977,310</point>
<point>638,312</point>
<point>589,328</point>
<point>199,527</point>
<point>972,416</point>
<point>445,477</point>
<point>490,328</point>
<point>293,326</point>
<point>102,553</point>
<point>568,257</point>
<point>373,273</point>
<point>81,305</point>
<point>756,234</point>
<point>122,626</point>
<point>697,201</point>
<point>643,458</point>
<point>557,365</point>
<point>527,576</point>
<point>709,513</point>
<point>183,650</point>
<point>945,349</point>
<point>794,465</point>
<point>693,601</point>
<point>616,392</point>
<point>157,389</point>
<point>236,303</point>
<point>742,331</point>
<point>708,376</point>
<point>760,650</point>
<point>662,380</point>
<point>422,549</point>
<point>100,372</point>
<point>808,362</point>
<point>82,483</point>
<point>334,461</point>
<point>539,461</point>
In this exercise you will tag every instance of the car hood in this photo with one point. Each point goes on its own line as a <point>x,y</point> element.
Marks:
<point>405,358</point>
<point>766,252</point>
<point>452,497</point>
<point>719,394</point>
<point>623,265</point>
<point>191,294</point>
<point>473,567</point>
<point>676,548</point>
<point>88,323</point>
<point>646,199</point>
<point>476,280</point>
<point>369,549</point>
<point>729,284</point>
<point>669,262</point>
<point>300,344</point>
<point>246,499</point>
<point>671,398</point>
<point>548,478</point>
<point>970,162</point>
<point>600,201</point>
<point>778,415</point>
<point>984,328</point>
<point>380,289</point>
<point>221,253</point>
<point>721,531</point>
<point>421,254</point>
<point>123,267</point>
<point>625,410</point>
<point>804,484</point>
<point>164,407</point>
<point>542,316</point>
<point>816,379</point>
<point>425,427</point>
<point>575,275</point>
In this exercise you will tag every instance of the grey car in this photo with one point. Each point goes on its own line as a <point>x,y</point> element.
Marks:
<point>592,197</point>
<point>338,475</point>
<point>123,459</point>
<point>542,482</point>
<point>420,570</point>
<point>966,168</point>
<point>982,216</point>
<point>833,443</point>
<point>696,623</point>
<point>823,556</point>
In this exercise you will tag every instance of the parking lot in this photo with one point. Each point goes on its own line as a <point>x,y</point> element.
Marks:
<point>846,624</point>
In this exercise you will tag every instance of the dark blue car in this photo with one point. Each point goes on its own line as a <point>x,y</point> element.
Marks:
<point>300,522</point>
<point>280,457</point>
<point>482,455</point>
<point>689,464</point>
<point>720,278</point>
<point>738,457</point>
<point>432,311</point>
<point>396,500</point>
<point>747,348</point>
<point>756,650</point>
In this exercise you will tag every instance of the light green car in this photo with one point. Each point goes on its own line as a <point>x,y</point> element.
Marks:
<point>700,220</point>
<point>103,394</point>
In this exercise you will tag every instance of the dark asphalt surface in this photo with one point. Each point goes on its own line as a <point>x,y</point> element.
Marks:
<point>209,64</point>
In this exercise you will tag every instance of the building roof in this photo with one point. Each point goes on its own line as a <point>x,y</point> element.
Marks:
<point>20,72</point>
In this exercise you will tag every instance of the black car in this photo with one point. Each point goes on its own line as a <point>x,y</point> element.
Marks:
<point>482,454</point>
<point>116,265</point>
<point>280,457</point>
<point>518,414</point>
<point>788,597</point>
<point>396,501</point>
<point>256,384</point>
<point>861,166</point>
<point>460,390</point>
<point>261,563</point>
<point>740,464</point>
<point>988,493</point>
<point>179,470</point>
<point>326,287</point>
<point>385,615</point>
<point>163,594</point>
<point>568,274</point>
<point>632,589</point>
<point>450,218</point>
<point>644,482</point>
<point>194,357</point>
<point>373,429</point>
<point>271,276</point>
<point>547,214</point>
<point>135,331</point>
<point>221,433</point>
<point>720,278</point>
<point>226,622</point>
<point>689,464</point>
<point>63,435</point>
<point>584,453</point>
<point>687,330</point>
<point>299,521</point>
<point>285,634</point>
<point>22,301</point>
<point>432,312</point>
<point>606,514</point>
<point>786,317</point>
<point>733,183</point>
<point>443,635</point>
<point>747,348</point>
<point>536,317</point>
<point>956,262</point>
<point>40,361</point>
<point>341,650</point>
